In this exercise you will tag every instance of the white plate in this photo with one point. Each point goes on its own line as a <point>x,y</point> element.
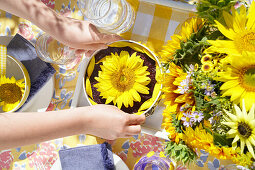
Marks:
<point>118,163</point>
<point>41,100</point>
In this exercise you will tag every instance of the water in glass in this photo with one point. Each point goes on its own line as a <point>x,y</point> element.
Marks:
<point>115,16</point>
<point>52,51</point>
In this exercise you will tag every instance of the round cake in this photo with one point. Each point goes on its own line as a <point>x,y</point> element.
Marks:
<point>139,74</point>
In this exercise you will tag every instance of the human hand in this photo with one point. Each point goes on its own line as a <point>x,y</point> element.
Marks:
<point>109,122</point>
<point>81,35</point>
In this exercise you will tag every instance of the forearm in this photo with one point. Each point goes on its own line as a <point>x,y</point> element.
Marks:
<point>36,12</point>
<point>18,129</point>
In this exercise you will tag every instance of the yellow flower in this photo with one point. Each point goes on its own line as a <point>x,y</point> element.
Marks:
<point>122,78</point>
<point>11,92</point>
<point>175,88</point>
<point>187,29</point>
<point>201,139</point>
<point>242,128</point>
<point>168,126</point>
<point>207,67</point>
<point>206,58</point>
<point>240,31</point>
<point>242,159</point>
<point>239,78</point>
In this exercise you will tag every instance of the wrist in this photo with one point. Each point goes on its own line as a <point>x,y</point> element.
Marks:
<point>85,118</point>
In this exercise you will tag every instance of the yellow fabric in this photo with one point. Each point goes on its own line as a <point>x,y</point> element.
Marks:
<point>3,53</point>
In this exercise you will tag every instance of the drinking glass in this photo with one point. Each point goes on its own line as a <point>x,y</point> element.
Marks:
<point>114,16</point>
<point>50,50</point>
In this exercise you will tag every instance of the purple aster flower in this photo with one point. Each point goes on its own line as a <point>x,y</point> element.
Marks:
<point>184,85</point>
<point>187,121</point>
<point>208,87</point>
<point>197,116</point>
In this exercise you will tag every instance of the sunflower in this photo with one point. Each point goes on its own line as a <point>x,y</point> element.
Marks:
<point>242,159</point>
<point>168,124</point>
<point>176,85</point>
<point>189,27</point>
<point>207,67</point>
<point>239,78</point>
<point>122,78</point>
<point>242,128</point>
<point>201,139</point>
<point>206,58</point>
<point>11,92</point>
<point>240,31</point>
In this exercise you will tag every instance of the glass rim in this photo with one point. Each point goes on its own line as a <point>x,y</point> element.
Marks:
<point>84,13</point>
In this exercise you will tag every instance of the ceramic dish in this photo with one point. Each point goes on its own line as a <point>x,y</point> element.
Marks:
<point>16,69</point>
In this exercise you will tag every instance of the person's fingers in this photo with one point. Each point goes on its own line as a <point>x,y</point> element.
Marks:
<point>135,119</point>
<point>133,130</point>
<point>80,51</point>
<point>111,142</point>
<point>107,38</point>
<point>96,46</point>
<point>89,53</point>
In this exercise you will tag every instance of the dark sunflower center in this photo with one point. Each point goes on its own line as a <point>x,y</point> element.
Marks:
<point>207,58</point>
<point>10,93</point>
<point>206,67</point>
<point>244,130</point>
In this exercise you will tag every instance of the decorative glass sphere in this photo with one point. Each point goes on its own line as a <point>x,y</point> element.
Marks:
<point>154,161</point>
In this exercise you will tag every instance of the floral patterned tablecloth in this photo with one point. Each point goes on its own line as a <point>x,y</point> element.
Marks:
<point>154,25</point>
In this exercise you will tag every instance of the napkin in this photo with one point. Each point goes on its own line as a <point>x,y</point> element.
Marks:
<point>39,71</point>
<point>98,157</point>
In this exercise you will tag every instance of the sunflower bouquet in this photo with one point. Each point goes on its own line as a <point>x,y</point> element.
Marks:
<point>209,84</point>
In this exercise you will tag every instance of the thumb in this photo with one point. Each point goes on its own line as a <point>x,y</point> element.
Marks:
<point>134,119</point>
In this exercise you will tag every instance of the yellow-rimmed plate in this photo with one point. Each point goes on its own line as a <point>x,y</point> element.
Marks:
<point>41,100</point>
<point>16,69</point>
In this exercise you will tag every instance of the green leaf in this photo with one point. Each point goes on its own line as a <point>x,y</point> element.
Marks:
<point>221,140</point>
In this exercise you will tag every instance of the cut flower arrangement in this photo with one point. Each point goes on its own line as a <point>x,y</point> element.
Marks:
<point>209,84</point>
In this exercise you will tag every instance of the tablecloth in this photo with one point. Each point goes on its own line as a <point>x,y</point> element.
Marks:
<point>153,26</point>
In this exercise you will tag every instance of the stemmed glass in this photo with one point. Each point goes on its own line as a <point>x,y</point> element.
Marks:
<point>50,50</point>
<point>114,16</point>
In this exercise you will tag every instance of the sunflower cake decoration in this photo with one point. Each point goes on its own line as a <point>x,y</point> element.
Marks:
<point>123,75</point>
<point>121,78</point>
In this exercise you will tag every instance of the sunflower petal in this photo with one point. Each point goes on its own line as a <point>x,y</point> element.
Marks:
<point>249,98</point>
<point>228,33</point>
<point>236,139</point>
<point>242,145</point>
<point>251,113</point>
<point>248,144</point>
<point>251,19</point>
<point>229,84</point>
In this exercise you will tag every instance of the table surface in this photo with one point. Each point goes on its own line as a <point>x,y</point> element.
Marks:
<point>155,22</point>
